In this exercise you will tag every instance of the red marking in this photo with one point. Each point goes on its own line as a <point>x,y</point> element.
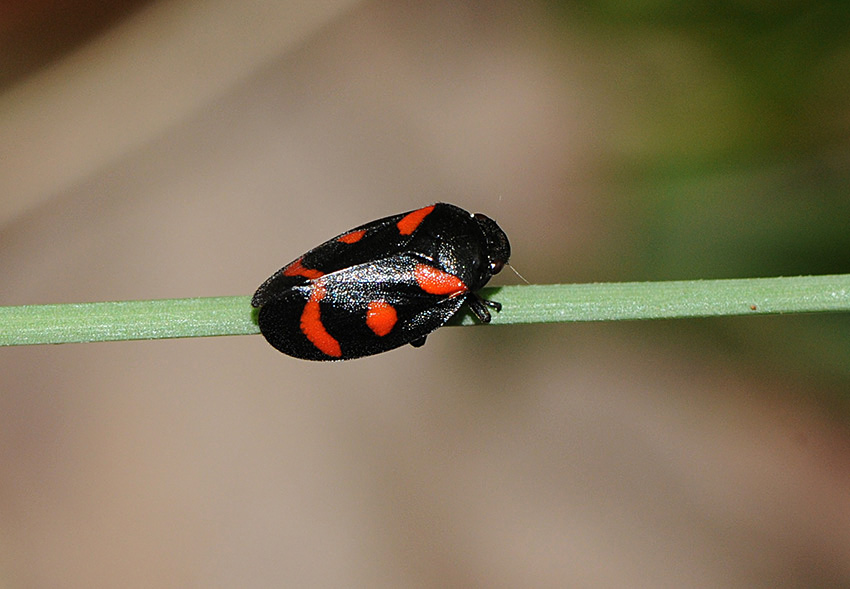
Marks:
<point>753,308</point>
<point>352,237</point>
<point>437,282</point>
<point>296,268</point>
<point>381,317</point>
<point>411,221</point>
<point>314,329</point>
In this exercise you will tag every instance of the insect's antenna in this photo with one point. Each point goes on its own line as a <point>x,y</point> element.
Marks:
<point>521,277</point>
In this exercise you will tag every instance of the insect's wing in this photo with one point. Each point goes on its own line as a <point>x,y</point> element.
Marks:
<point>357,246</point>
<point>355,312</point>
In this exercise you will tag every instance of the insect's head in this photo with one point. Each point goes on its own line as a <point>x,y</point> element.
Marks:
<point>498,246</point>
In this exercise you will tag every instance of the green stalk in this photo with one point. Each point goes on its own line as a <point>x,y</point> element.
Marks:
<point>126,320</point>
<point>610,301</point>
<point>200,317</point>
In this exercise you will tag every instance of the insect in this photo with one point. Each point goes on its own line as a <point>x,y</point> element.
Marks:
<point>382,285</point>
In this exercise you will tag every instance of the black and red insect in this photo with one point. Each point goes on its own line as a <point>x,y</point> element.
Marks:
<point>382,285</point>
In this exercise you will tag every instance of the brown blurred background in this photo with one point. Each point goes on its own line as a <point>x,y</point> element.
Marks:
<point>184,148</point>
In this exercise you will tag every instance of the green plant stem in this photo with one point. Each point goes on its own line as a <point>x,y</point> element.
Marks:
<point>199,317</point>
<point>126,320</point>
<point>610,301</point>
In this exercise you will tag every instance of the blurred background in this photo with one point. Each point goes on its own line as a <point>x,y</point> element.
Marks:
<point>158,149</point>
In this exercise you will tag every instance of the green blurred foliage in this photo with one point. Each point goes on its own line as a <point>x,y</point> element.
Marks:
<point>728,152</point>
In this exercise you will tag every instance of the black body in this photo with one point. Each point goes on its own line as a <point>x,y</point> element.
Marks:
<point>382,285</point>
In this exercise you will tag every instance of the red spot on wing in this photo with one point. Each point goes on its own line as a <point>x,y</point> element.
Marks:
<point>436,282</point>
<point>408,224</point>
<point>352,236</point>
<point>313,328</point>
<point>296,268</point>
<point>381,317</point>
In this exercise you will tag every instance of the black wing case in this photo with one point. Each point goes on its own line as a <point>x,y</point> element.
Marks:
<point>334,311</point>
<point>378,239</point>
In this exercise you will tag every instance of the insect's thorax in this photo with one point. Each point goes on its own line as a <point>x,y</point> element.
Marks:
<point>460,253</point>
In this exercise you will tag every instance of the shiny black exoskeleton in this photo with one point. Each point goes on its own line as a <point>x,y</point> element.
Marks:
<point>382,285</point>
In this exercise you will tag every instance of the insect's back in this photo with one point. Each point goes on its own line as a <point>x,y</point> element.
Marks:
<point>355,312</point>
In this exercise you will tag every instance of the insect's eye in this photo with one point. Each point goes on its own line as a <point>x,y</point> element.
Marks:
<point>496,266</point>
